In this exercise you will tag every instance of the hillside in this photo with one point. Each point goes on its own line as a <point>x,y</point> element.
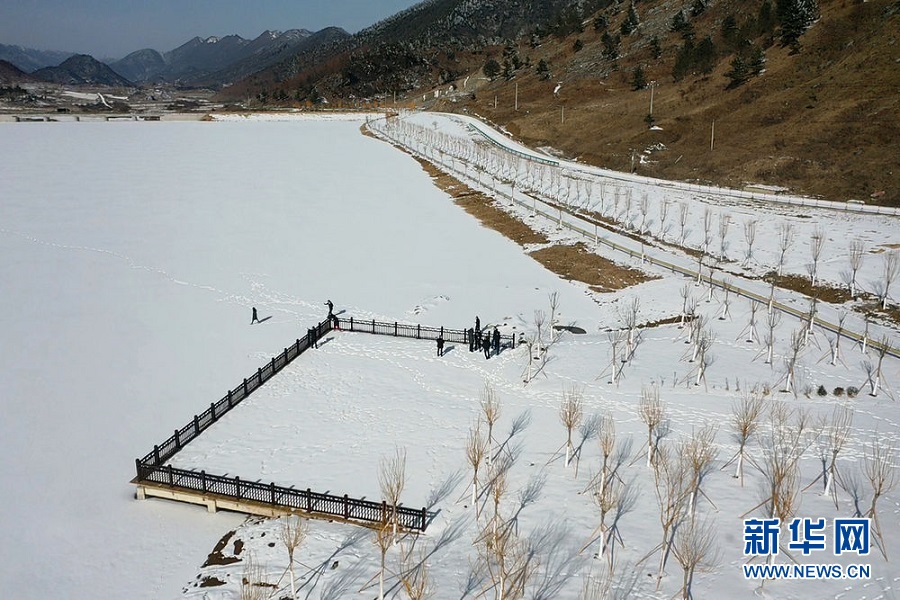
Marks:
<point>819,118</point>
<point>79,70</point>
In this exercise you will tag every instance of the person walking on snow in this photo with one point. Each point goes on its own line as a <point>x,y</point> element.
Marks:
<point>486,345</point>
<point>255,318</point>
<point>496,340</point>
<point>472,339</point>
<point>440,345</point>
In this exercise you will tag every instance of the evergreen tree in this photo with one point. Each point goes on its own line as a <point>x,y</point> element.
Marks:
<point>730,31</point>
<point>638,79</point>
<point>698,8</point>
<point>578,45</point>
<point>610,45</point>
<point>683,61</point>
<point>491,69</point>
<point>543,69</point>
<point>795,17</point>
<point>601,23</point>
<point>631,22</point>
<point>679,22</point>
<point>739,72</point>
<point>655,48</point>
<point>757,60</point>
<point>765,20</point>
<point>705,55</point>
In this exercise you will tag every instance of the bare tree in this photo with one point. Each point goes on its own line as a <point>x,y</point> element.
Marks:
<point>392,479</point>
<point>653,414</point>
<point>694,548</point>
<point>490,408</point>
<point>856,254</point>
<point>832,440</point>
<point>791,362</point>
<point>724,223</point>
<point>750,238</point>
<point>744,422</point>
<point>698,453</point>
<point>644,205</point>
<point>707,229</point>
<point>476,447</point>
<point>682,220</point>
<point>875,375</point>
<point>878,465</point>
<point>571,414</point>
<point>553,298</point>
<point>750,329</point>
<point>785,240</point>
<point>293,532</point>
<point>685,293</point>
<point>663,218</point>
<point>670,481</point>
<point>254,585</point>
<point>630,318</point>
<point>816,244</point>
<point>414,575</point>
<point>385,537</point>
<point>890,270</point>
<point>773,319</point>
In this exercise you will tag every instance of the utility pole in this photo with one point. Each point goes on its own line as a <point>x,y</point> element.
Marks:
<point>652,86</point>
<point>562,114</point>
<point>495,101</point>
<point>712,136</point>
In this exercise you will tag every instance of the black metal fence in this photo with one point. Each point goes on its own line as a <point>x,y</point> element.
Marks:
<point>416,331</point>
<point>273,495</point>
<point>152,467</point>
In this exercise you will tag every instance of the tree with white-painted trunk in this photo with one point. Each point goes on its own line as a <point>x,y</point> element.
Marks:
<point>694,547</point>
<point>653,414</point>
<point>293,531</point>
<point>707,229</point>
<point>644,205</point>
<point>664,219</point>
<point>816,245</point>
<point>879,469</point>
<point>750,238</point>
<point>744,423</point>
<point>571,414</point>
<point>831,442</point>
<point>724,223</point>
<point>890,270</point>
<point>683,211</point>
<point>856,253</point>
<point>476,449</point>
<point>490,409</point>
<point>392,480</point>
<point>785,241</point>
<point>698,452</point>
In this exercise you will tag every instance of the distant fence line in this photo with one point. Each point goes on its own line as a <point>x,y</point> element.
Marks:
<point>643,257</point>
<point>152,468</point>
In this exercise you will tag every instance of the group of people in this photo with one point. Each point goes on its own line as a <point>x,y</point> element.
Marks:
<point>487,341</point>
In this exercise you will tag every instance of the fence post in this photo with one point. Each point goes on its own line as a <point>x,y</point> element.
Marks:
<point>156,454</point>
<point>395,328</point>
<point>442,331</point>
<point>273,366</point>
<point>373,325</point>
<point>272,489</point>
<point>245,387</point>
<point>177,440</point>
<point>424,518</point>
<point>212,410</point>
<point>346,507</point>
<point>308,500</point>
<point>418,331</point>
<point>229,399</point>
<point>259,375</point>
<point>196,425</point>
<point>351,323</point>
<point>171,478</point>
<point>203,480</point>
<point>137,467</point>
<point>237,487</point>
<point>298,346</point>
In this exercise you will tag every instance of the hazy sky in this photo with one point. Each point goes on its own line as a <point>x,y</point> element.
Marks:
<point>113,28</point>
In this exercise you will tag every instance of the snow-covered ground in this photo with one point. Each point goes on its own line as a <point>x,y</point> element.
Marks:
<point>133,253</point>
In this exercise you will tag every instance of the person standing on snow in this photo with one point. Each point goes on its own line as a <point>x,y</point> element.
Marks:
<point>440,345</point>
<point>486,345</point>
<point>330,309</point>
<point>255,318</point>
<point>496,341</point>
<point>473,341</point>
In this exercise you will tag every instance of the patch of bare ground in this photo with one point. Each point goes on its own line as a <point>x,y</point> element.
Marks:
<point>834,295</point>
<point>579,263</point>
<point>216,557</point>
<point>211,582</point>
<point>573,262</point>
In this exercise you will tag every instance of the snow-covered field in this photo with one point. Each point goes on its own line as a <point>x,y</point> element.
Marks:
<point>132,254</point>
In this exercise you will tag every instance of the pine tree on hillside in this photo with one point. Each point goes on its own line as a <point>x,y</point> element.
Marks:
<point>631,22</point>
<point>739,73</point>
<point>638,78</point>
<point>795,17</point>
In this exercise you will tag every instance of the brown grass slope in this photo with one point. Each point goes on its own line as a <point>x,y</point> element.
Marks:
<point>822,121</point>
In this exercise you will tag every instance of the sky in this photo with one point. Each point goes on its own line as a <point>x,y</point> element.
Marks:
<point>114,28</point>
